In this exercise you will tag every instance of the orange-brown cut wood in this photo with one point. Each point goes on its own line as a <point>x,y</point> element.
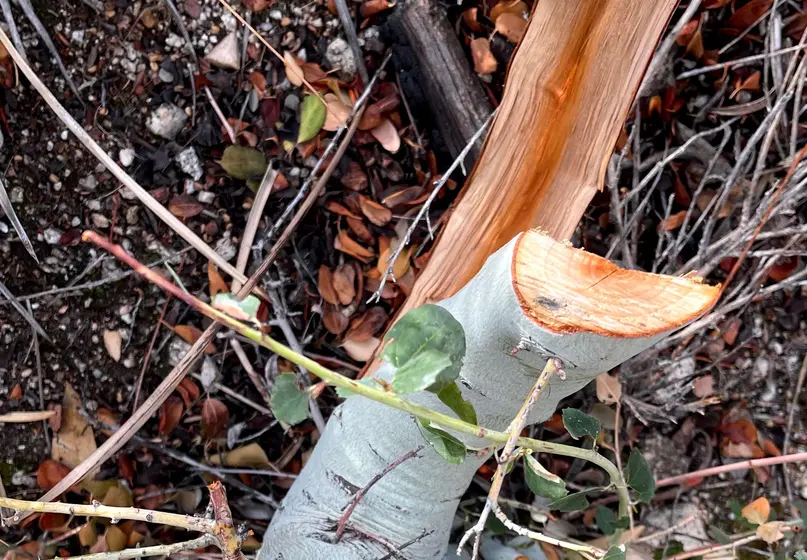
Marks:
<point>568,90</point>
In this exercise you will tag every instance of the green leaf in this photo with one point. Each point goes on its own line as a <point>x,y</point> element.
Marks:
<point>673,547</point>
<point>447,446</point>
<point>312,117</point>
<point>433,341</point>
<point>289,404</point>
<point>615,553</point>
<point>346,393</point>
<point>639,477</point>
<point>420,372</point>
<point>802,507</point>
<point>580,424</point>
<point>572,502</point>
<point>541,481</point>
<point>451,396</point>
<point>801,555</point>
<point>242,162</point>
<point>608,522</point>
<point>719,535</point>
<point>243,310</point>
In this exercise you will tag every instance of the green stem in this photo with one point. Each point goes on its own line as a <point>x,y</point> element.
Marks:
<point>378,395</point>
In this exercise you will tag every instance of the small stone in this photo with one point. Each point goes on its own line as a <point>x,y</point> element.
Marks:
<point>64,135</point>
<point>126,157</point>
<point>189,163</point>
<point>340,56</point>
<point>100,221</point>
<point>52,236</point>
<point>209,373</point>
<point>132,215</point>
<point>174,40</point>
<point>206,197</point>
<point>88,183</point>
<point>16,195</point>
<point>3,227</point>
<point>75,222</point>
<point>276,15</point>
<point>167,121</point>
<point>291,102</point>
<point>225,247</point>
<point>177,350</point>
<point>165,76</point>
<point>77,36</point>
<point>226,55</point>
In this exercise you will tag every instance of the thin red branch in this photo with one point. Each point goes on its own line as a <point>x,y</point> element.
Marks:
<point>343,519</point>
<point>751,463</point>
<point>765,217</point>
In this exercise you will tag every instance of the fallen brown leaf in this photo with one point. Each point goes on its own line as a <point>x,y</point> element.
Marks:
<point>112,343</point>
<point>215,416</point>
<point>355,178</point>
<point>360,230</point>
<point>215,281</point>
<point>508,7</point>
<point>189,391</point>
<point>375,212</point>
<point>512,26</point>
<point>673,222</point>
<point>50,473</point>
<point>484,61</point>
<point>294,72</point>
<point>609,389</point>
<point>748,14</point>
<point>368,325</point>
<point>346,244</point>
<point>325,285</point>
<point>469,17</point>
<point>373,7</point>
<point>770,532</point>
<point>333,319</point>
<point>344,283</point>
<point>169,415</point>
<point>185,206</point>
<point>75,440</point>
<point>361,351</point>
<point>251,456</point>
<point>703,386</point>
<point>757,512</point>
<point>387,136</point>
<point>191,334</point>
<point>337,113</point>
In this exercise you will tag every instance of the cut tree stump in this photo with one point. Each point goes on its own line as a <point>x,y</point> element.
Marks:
<point>535,299</point>
<point>568,90</point>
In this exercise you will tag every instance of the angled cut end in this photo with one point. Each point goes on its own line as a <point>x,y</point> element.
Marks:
<point>567,290</point>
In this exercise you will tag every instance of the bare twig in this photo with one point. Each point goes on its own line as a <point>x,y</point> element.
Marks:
<point>146,551</point>
<point>30,14</point>
<point>5,205</point>
<point>251,373</point>
<point>737,62</point>
<point>255,215</point>
<point>586,551</point>
<point>552,367</point>
<point>222,119</point>
<point>354,501</point>
<point>97,509</point>
<point>352,39</point>
<point>20,417</point>
<point>423,209</point>
<point>172,221</point>
<point>663,51</point>
<point>15,303</point>
<point>237,396</point>
<point>12,27</point>
<point>38,360</point>
<point>147,356</point>
<point>790,417</point>
<point>751,463</point>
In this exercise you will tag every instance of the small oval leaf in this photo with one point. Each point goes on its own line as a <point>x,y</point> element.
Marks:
<point>639,477</point>
<point>580,424</point>
<point>447,446</point>
<point>541,481</point>
<point>289,404</point>
<point>242,162</point>
<point>572,502</point>
<point>451,396</point>
<point>312,117</point>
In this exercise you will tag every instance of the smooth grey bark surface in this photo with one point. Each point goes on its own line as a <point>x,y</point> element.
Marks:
<point>506,350</point>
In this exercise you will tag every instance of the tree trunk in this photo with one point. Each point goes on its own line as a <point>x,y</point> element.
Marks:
<point>534,299</point>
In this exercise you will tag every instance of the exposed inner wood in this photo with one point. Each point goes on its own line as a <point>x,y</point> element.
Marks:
<point>567,290</point>
<point>568,89</point>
